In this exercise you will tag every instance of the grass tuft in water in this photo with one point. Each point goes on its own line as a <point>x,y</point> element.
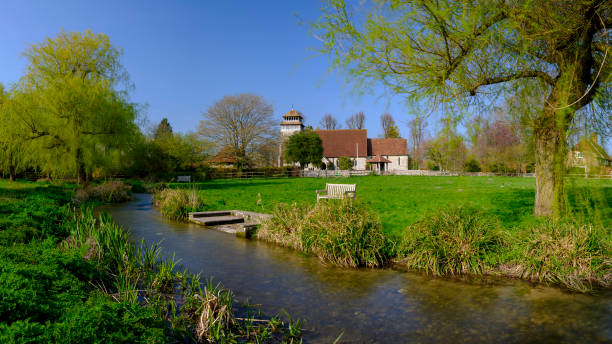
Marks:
<point>342,232</point>
<point>452,241</point>
<point>571,253</point>
<point>176,204</point>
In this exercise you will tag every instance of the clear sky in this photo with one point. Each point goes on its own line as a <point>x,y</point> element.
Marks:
<point>182,56</point>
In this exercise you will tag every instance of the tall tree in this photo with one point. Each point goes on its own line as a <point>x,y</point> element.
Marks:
<point>78,114</point>
<point>416,127</point>
<point>163,129</point>
<point>329,122</point>
<point>240,122</point>
<point>390,129</point>
<point>304,147</point>
<point>451,51</point>
<point>356,121</point>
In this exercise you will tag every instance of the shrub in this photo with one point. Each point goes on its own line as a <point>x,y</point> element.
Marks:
<point>345,163</point>
<point>176,204</point>
<point>451,241</point>
<point>472,165</point>
<point>575,255</point>
<point>345,232</point>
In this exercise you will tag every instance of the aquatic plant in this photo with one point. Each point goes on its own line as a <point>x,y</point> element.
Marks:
<point>343,232</point>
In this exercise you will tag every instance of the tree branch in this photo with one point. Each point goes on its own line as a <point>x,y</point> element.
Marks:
<point>514,76</point>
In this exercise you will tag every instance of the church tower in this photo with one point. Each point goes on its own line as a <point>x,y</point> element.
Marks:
<point>292,123</point>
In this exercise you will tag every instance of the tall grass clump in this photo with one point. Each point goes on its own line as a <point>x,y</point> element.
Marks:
<point>574,254</point>
<point>452,241</point>
<point>176,204</point>
<point>345,233</point>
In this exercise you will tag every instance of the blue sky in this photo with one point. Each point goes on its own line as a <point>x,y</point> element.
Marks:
<point>182,56</point>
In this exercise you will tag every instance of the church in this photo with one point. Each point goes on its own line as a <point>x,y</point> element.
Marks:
<point>366,153</point>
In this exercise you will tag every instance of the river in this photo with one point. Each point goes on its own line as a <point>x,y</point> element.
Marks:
<point>373,305</point>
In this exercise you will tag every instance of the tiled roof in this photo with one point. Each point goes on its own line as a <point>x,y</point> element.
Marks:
<point>387,147</point>
<point>344,142</point>
<point>378,158</point>
<point>292,113</point>
<point>291,122</point>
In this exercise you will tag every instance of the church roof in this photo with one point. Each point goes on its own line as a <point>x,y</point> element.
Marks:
<point>397,146</point>
<point>344,142</point>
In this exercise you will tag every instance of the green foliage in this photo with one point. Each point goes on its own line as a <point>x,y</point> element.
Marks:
<point>304,147</point>
<point>163,129</point>
<point>345,163</point>
<point>471,165</point>
<point>77,119</point>
<point>83,281</point>
<point>452,241</point>
<point>429,50</point>
<point>344,232</point>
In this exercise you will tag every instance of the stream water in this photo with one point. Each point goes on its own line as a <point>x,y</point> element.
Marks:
<point>373,305</point>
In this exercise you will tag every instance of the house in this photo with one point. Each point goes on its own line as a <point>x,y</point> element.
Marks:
<point>365,153</point>
<point>591,156</point>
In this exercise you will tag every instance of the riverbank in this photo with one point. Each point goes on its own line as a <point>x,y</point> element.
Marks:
<point>460,237</point>
<point>380,305</point>
<point>68,275</point>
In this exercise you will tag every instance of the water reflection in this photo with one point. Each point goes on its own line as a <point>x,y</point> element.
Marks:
<point>373,305</point>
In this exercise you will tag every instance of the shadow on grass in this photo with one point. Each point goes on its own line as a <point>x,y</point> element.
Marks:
<point>592,204</point>
<point>229,184</point>
<point>21,190</point>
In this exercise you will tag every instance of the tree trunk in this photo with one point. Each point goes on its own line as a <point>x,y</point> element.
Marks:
<point>81,174</point>
<point>12,174</point>
<point>550,154</point>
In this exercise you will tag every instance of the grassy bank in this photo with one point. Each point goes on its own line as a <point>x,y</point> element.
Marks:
<point>400,201</point>
<point>441,225</point>
<point>67,275</point>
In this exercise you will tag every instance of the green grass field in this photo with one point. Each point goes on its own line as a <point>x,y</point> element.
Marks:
<point>401,200</point>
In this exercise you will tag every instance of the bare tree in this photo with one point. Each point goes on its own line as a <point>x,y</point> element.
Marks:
<point>389,127</point>
<point>356,121</point>
<point>241,123</point>
<point>328,122</point>
<point>417,132</point>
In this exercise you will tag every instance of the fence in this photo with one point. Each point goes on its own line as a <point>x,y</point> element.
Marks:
<point>337,174</point>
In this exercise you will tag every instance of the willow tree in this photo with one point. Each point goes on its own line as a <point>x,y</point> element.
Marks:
<point>456,51</point>
<point>78,116</point>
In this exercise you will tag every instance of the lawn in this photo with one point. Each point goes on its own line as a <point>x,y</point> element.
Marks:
<point>401,200</point>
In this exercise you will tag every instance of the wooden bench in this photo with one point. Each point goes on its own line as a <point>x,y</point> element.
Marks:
<point>186,179</point>
<point>337,191</point>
